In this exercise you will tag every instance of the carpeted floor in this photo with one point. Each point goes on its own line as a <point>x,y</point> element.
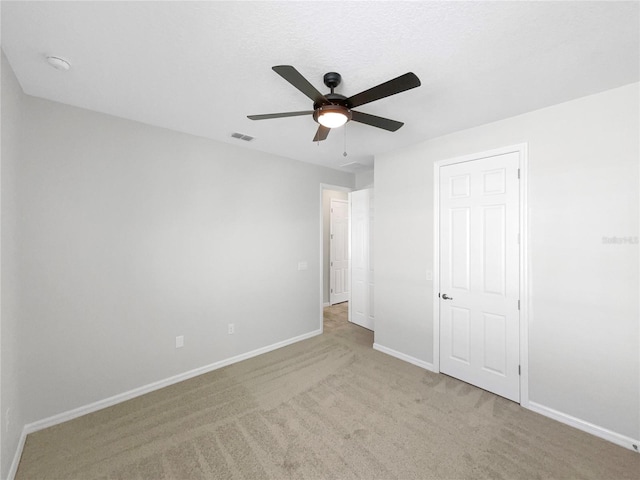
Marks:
<point>326,408</point>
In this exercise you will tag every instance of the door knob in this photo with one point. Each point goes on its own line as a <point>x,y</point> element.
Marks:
<point>446,297</point>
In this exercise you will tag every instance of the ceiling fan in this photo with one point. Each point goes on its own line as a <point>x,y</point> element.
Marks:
<point>334,110</point>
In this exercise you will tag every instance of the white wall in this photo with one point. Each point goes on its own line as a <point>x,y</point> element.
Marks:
<point>327,195</point>
<point>584,311</point>
<point>11,377</point>
<point>132,235</point>
<point>364,179</point>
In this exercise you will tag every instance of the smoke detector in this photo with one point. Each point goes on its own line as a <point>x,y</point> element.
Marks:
<point>58,63</point>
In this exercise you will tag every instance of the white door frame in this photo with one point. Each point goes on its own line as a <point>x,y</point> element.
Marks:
<point>323,187</point>
<point>524,291</point>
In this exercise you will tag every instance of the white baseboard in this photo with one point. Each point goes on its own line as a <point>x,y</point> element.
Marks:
<point>405,357</point>
<point>16,458</point>
<point>326,304</point>
<point>585,426</point>
<point>136,392</point>
<point>605,434</point>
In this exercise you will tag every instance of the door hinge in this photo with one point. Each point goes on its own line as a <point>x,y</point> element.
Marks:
<point>332,236</point>
<point>518,174</point>
<point>332,264</point>
<point>332,290</point>
<point>438,294</point>
<point>518,304</point>
<point>519,370</point>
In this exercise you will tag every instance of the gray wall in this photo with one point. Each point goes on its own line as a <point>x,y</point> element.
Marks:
<point>583,298</point>
<point>12,380</point>
<point>131,235</point>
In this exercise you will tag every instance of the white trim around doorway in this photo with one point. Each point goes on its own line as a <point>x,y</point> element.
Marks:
<point>323,187</point>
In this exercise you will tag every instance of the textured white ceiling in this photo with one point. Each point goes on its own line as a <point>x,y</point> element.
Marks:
<point>201,67</point>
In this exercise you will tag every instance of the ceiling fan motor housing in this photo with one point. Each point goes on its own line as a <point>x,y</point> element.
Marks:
<point>337,103</point>
<point>334,99</point>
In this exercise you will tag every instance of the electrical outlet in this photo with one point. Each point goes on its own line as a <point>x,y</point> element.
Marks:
<point>179,341</point>
<point>232,329</point>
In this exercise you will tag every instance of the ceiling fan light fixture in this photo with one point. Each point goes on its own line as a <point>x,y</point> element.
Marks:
<point>332,116</point>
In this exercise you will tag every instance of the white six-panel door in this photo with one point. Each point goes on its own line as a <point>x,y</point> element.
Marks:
<point>479,273</point>
<point>339,281</point>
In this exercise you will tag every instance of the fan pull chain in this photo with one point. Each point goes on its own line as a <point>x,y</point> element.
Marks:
<point>345,141</point>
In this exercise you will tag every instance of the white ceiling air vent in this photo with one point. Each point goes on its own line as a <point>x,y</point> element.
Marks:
<point>242,136</point>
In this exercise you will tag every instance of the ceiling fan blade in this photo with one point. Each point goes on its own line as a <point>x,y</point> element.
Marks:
<point>295,78</point>
<point>386,89</point>
<point>380,122</point>
<point>279,115</point>
<point>321,134</point>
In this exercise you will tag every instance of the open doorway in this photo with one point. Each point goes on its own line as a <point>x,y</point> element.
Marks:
<point>348,238</point>
<point>335,246</point>
<point>336,277</point>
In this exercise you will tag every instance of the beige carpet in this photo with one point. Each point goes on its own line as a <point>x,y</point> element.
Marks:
<point>328,407</point>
